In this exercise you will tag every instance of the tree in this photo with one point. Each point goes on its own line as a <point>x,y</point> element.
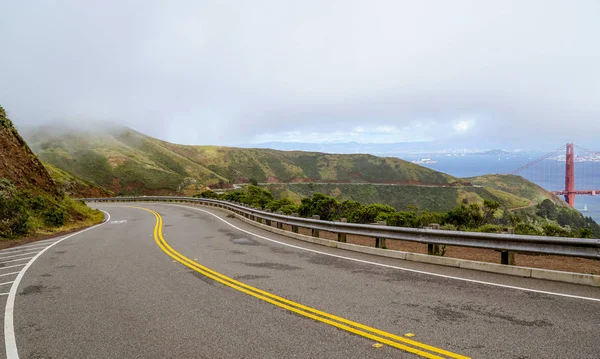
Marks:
<point>466,217</point>
<point>584,233</point>
<point>489,209</point>
<point>547,209</point>
<point>253,181</point>
<point>326,207</point>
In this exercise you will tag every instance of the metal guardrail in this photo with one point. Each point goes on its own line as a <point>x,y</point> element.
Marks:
<point>506,243</point>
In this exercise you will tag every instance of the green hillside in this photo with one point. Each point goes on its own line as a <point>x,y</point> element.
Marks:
<point>128,162</point>
<point>517,186</point>
<point>402,197</point>
<point>74,186</point>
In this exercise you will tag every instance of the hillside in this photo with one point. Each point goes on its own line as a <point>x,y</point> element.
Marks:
<point>500,185</point>
<point>424,197</point>
<point>74,186</point>
<point>30,202</point>
<point>128,162</point>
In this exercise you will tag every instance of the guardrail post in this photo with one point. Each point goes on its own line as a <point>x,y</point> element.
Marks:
<point>508,257</point>
<point>268,221</point>
<point>380,242</point>
<point>315,232</point>
<point>294,228</point>
<point>432,248</point>
<point>279,224</point>
<point>342,236</point>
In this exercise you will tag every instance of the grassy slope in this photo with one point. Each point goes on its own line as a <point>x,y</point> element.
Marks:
<point>399,197</point>
<point>517,186</point>
<point>74,186</point>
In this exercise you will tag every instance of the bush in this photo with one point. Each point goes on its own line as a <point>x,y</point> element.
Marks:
<point>54,217</point>
<point>584,233</point>
<point>208,194</point>
<point>426,218</point>
<point>466,217</point>
<point>326,207</point>
<point>278,204</point>
<point>448,227</point>
<point>490,228</point>
<point>527,229</point>
<point>369,213</point>
<point>289,209</point>
<point>554,230</point>
<point>398,219</point>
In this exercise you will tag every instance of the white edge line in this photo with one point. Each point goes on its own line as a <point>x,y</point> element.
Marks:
<point>23,249</point>
<point>390,266</point>
<point>16,260</point>
<point>21,254</point>
<point>5,274</point>
<point>10,340</point>
<point>7,283</point>
<point>16,265</point>
<point>24,246</point>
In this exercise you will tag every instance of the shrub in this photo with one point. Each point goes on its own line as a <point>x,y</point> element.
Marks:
<point>289,209</point>
<point>278,204</point>
<point>54,217</point>
<point>467,217</point>
<point>554,230</point>
<point>369,213</point>
<point>398,219</point>
<point>426,218</point>
<point>208,194</point>
<point>490,228</point>
<point>527,229</point>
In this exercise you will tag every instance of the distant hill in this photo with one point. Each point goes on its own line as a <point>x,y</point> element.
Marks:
<point>517,186</point>
<point>512,192</point>
<point>493,153</point>
<point>125,161</point>
<point>128,162</point>
<point>30,202</point>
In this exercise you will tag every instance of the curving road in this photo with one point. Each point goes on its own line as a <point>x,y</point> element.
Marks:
<point>176,281</point>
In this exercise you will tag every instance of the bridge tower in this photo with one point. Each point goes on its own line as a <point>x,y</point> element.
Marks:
<point>570,176</point>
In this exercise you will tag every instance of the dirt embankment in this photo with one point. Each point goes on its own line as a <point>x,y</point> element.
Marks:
<point>18,164</point>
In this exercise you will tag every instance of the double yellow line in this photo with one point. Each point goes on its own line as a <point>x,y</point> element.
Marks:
<point>380,336</point>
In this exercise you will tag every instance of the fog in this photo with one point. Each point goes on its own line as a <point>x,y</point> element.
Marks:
<point>471,73</point>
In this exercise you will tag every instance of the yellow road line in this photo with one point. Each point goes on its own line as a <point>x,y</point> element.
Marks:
<point>296,307</point>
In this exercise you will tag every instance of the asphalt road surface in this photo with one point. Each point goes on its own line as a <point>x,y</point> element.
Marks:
<point>176,281</point>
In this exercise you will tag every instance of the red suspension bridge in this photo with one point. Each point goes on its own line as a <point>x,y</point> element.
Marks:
<point>570,173</point>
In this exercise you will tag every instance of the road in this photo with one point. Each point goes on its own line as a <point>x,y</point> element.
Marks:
<point>176,281</point>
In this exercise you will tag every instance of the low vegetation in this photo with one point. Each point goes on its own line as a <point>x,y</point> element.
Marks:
<point>546,218</point>
<point>24,212</point>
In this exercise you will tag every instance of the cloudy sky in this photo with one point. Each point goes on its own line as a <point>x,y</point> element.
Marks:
<point>476,72</point>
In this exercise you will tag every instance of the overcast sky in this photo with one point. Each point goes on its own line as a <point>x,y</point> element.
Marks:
<point>226,72</point>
